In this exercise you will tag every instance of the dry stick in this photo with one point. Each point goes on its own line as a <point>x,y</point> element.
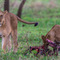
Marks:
<point>27,34</point>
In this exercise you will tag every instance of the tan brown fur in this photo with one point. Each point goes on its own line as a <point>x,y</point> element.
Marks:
<point>8,28</point>
<point>53,34</point>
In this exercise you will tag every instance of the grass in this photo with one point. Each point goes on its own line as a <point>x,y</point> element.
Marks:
<point>47,18</point>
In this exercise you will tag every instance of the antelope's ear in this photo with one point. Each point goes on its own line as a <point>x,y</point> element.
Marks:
<point>5,12</point>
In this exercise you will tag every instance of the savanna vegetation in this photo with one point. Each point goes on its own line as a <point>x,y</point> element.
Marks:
<point>47,13</point>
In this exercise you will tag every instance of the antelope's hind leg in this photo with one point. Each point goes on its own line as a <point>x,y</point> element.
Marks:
<point>14,37</point>
<point>9,45</point>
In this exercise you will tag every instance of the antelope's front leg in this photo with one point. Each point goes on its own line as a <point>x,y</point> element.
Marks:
<point>4,43</point>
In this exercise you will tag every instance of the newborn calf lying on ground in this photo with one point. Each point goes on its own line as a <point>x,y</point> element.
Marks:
<point>42,51</point>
